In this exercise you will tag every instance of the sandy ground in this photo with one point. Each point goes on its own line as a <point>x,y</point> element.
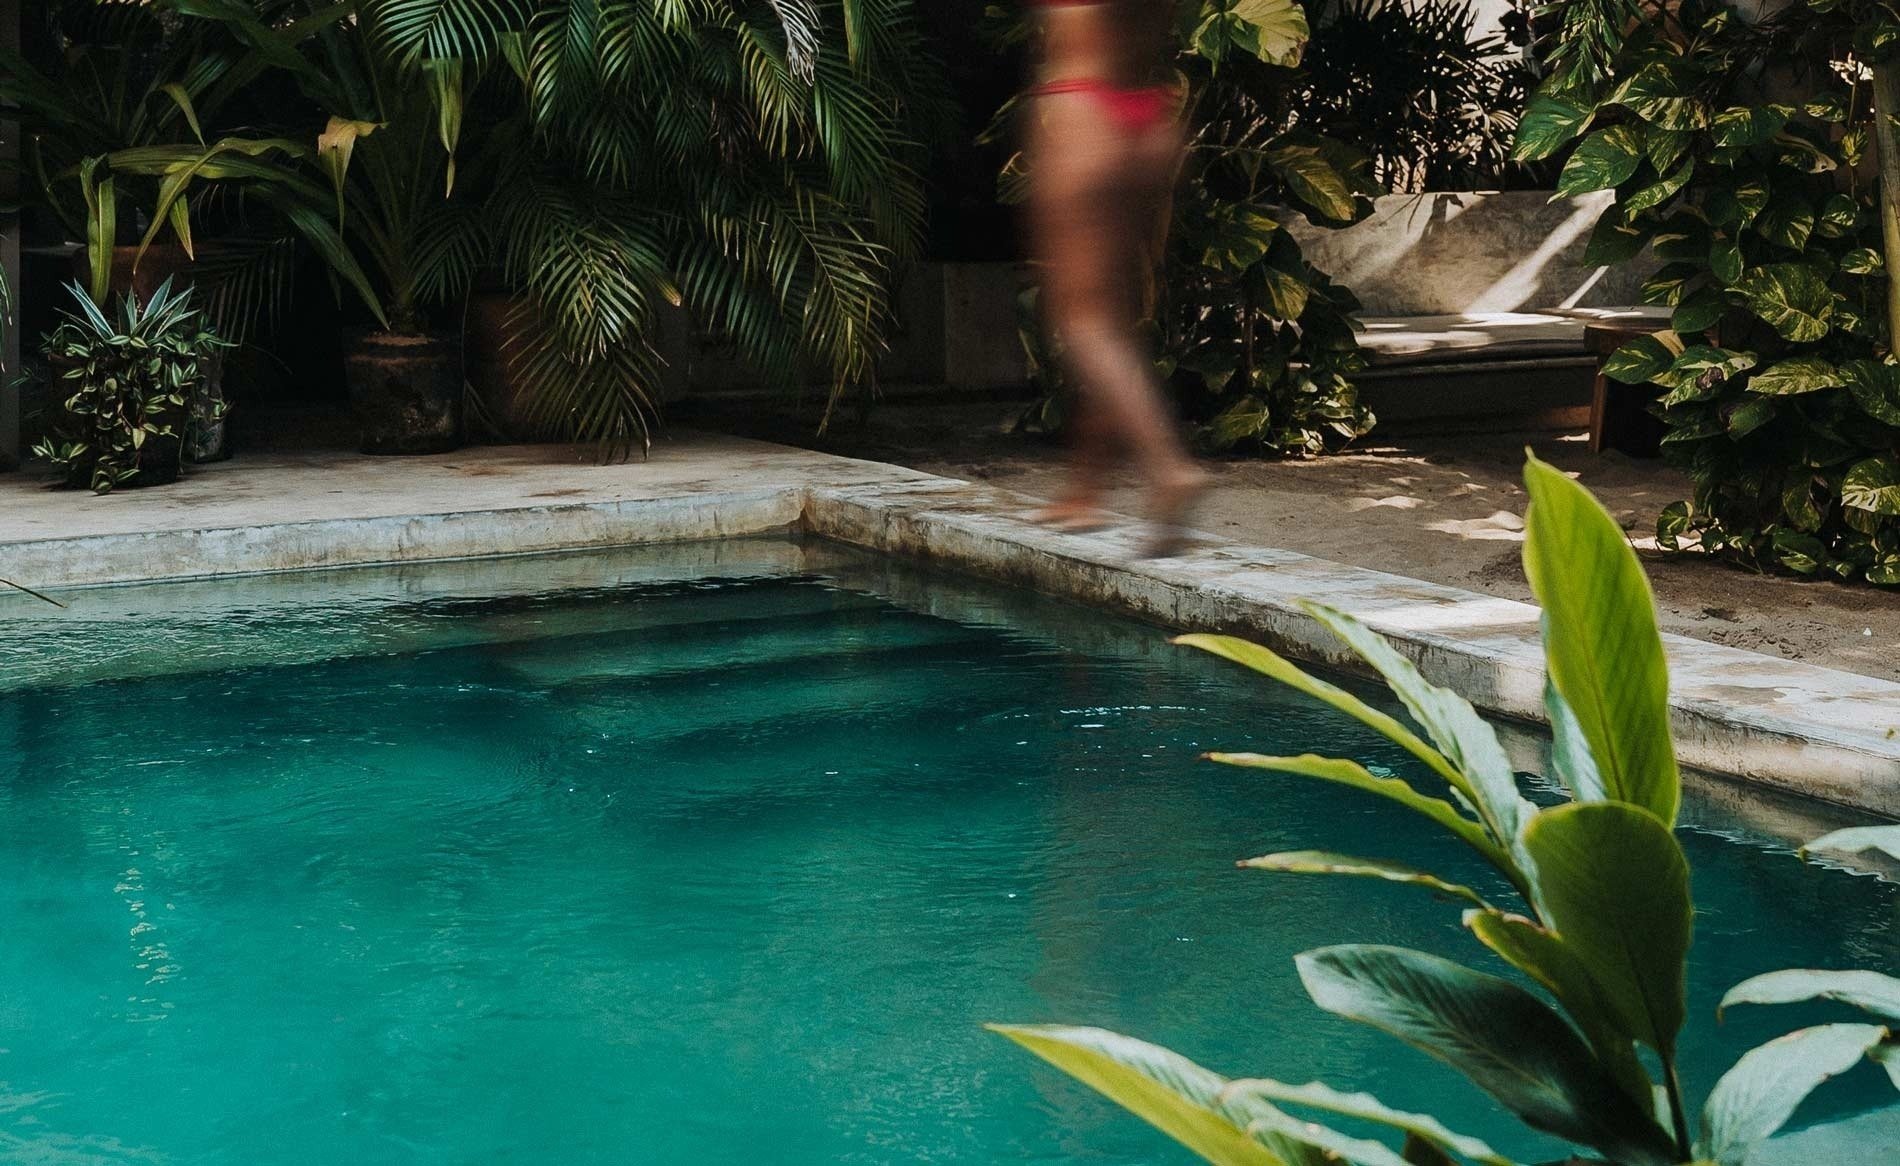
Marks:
<point>1448,509</point>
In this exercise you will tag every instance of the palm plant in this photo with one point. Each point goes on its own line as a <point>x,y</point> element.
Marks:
<point>1602,925</point>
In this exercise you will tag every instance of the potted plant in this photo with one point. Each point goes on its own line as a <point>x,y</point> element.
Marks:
<point>130,383</point>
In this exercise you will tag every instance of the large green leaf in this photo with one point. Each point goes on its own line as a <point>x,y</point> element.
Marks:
<point>1866,990</point>
<point>1164,1089</point>
<point>1547,124</point>
<point>1356,776</point>
<point>1509,1043</point>
<point>1762,1091</point>
<point>1604,159</point>
<point>1791,297</point>
<point>1283,31</point>
<point>1800,374</point>
<point>1325,862</point>
<point>1873,485</point>
<point>1644,358</point>
<point>1876,388</point>
<point>1601,644</point>
<point>1269,663</point>
<point>1540,954</point>
<point>1570,749</point>
<point>1312,178</point>
<point>1659,92</point>
<point>1856,839</point>
<point>1464,737</point>
<point>1613,884</point>
<point>1366,1107</point>
<point>1745,125</point>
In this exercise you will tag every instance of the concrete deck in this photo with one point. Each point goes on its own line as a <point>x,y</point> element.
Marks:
<point>1808,730</point>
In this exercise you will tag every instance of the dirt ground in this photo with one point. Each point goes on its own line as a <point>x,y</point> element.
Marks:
<point>1444,508</point>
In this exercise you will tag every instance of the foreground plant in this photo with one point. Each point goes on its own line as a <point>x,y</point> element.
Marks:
<point>1602,923</point>
<point>130,380</point>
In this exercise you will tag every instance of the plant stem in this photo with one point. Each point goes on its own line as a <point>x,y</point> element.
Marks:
<point>1673,1085</point>
<point>1886,88</point>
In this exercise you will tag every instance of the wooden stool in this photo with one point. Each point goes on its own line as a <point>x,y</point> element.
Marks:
<point>1619,414</point>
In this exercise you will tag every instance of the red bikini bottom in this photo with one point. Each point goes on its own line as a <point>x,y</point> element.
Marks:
<point>1133,109</point>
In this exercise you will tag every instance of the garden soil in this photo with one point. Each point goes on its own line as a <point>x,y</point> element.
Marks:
<point>1446,508</point>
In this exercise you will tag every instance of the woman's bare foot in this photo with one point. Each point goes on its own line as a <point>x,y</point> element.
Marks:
<point>1171,504</point>
<point>1071,516</point>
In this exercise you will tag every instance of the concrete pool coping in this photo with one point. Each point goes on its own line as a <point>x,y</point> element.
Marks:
<point>1796,727</point>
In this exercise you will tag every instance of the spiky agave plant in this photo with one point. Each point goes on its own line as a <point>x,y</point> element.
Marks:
<point>1602,924</point>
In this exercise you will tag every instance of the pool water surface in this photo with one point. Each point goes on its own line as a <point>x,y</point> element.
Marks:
<point>719,870</point>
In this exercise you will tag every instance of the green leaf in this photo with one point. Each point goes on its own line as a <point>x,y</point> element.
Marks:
<point>1313,179</point>
<point>1607,158</point>
<point>1509,1043</point>
<point>1839,216</point>
<point>1857,839</point>
<point>1662,191</point>
<point>1873,485</point>
<point>1739,204</point>
<point>1356,776</point>
<point>1366,1107</point>
<point>1801,553</point>
<point>1762,1091</point>
<point>1546,125</point>
<point>1786,222</point>
<point>1659,93</point>
<point>1283,29</point>
<point>1644,358</point>
<point>1791,298</point>
<point>1869,991</point>
<point>1613,240</point>
<point>1465,738</point>
<point>1863,261</point>
<point>1168,1091</point>
<point>1751,415</point>
<point>1699,371</point>
<point>1540,954</point>
<point>1324,862</point>
<point>1601,642</point>
<point>1750,125</point>
<point>1801,374</point>
<point>1569,750</point>
<point>1699,311</point>
<point>1726,261</point>
<point>1612,882</point>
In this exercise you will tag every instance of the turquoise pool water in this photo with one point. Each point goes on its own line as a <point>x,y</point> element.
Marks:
<point>696,871</point>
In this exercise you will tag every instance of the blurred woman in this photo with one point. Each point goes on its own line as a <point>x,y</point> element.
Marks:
<point>1104,152</point>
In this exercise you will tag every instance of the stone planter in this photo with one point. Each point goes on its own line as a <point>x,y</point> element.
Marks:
<point>406,392</point>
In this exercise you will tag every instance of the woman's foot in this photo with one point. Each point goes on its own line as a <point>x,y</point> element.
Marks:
<point>1170,506</point>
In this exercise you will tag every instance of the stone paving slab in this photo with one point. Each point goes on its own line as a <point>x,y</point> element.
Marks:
<point>1813,731</point>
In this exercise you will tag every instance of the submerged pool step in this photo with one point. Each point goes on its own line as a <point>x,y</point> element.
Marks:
<point>928,677</point>
<point>129,633</point>
<point>713,647</point>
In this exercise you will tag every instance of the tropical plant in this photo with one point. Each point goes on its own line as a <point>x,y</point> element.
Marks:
<point>1602,922</point>
<point>1759,162</point>
<point>115,128</point>
<point>131,378</point>
<point>1432,103</point>
<point>1257,344</point>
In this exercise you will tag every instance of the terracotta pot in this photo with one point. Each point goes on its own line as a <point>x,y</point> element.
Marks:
<point>406,392</point>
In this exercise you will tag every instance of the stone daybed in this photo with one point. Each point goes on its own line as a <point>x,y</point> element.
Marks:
<point>1472,291</point>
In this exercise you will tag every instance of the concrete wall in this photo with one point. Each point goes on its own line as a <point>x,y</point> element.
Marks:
<point>1444,254</point>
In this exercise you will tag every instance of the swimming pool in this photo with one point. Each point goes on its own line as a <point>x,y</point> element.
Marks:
<point>698,856</point>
